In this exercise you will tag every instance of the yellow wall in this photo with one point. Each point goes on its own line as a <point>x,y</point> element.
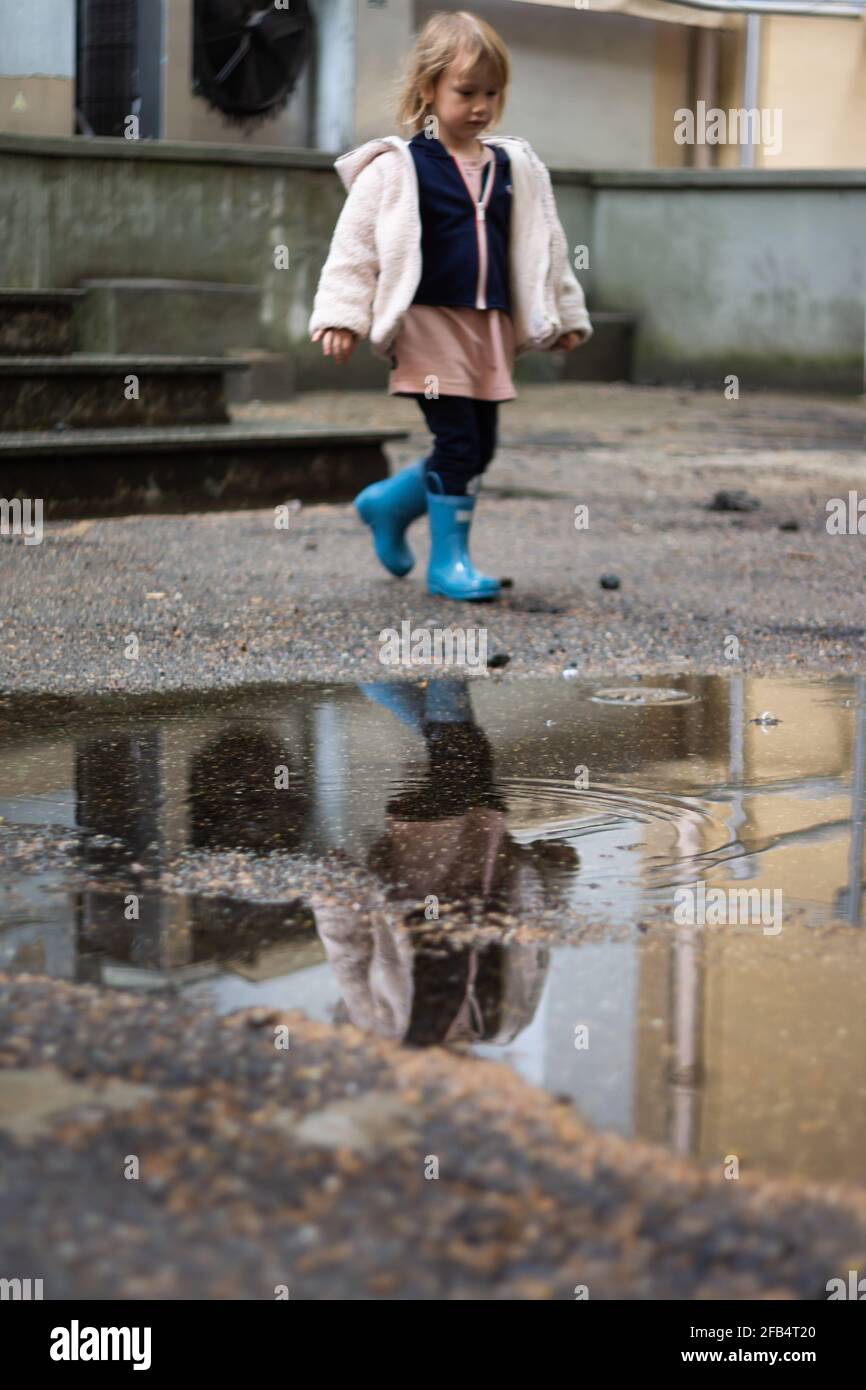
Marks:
<point>814,71</point>
<point>37,105</point>
<point>671,91</point>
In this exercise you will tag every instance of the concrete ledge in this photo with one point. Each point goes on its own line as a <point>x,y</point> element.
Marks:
<point>34,443</point>
<point>100,364</point>
<point>211,468</point>
<point>195,152</point>
<point>163,151</point>
<point>743,180</point>
<point>87,392</point>
<point>41,298</point>
<point>142,283</point>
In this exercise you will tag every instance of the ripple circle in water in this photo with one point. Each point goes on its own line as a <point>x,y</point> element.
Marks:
<point>647,695</point>
<point>682,823</point>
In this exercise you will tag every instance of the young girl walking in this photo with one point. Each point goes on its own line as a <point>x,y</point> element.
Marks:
<point>450,257</point>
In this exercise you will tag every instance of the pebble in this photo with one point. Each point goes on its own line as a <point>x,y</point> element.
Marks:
<point>733,500</point>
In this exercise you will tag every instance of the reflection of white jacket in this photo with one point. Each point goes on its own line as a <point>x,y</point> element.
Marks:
<point>374,960</point>
<point>374,264</point>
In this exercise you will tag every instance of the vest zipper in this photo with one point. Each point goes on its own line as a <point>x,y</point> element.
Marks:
<point>480,225</point>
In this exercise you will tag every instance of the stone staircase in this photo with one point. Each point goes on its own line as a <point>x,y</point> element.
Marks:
<point>103,432</point>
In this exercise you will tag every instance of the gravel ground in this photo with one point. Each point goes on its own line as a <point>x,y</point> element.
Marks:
<point>223,599</point>
<point>305,1167</point>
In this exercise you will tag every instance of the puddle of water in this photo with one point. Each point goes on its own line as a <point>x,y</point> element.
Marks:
<point>316,833</point>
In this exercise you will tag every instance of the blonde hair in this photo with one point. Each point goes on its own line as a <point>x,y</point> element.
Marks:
<point>444,38</point>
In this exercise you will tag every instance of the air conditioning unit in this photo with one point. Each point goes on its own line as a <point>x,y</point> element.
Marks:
<point>249,55</point>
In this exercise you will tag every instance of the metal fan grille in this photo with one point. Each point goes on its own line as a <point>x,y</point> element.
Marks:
<point>248,56</point>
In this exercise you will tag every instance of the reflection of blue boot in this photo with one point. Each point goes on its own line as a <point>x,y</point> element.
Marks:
<point>447,702</point>
<point>451,572</point>
<point>388,508</point>
<point>400,698</point>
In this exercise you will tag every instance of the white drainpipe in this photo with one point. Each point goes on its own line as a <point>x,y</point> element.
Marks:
<point>751,74</point>
<point>706,84</point>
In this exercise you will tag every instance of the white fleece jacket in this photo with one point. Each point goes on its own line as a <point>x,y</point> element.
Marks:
<point>374,263</point>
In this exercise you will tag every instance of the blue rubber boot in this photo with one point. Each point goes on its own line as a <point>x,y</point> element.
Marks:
<point>451,572</point>
<point>388,508</point>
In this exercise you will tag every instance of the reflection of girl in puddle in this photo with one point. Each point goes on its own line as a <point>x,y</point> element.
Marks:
<point>396,983</point>
<point>447,832</point>
<point>446,841</point>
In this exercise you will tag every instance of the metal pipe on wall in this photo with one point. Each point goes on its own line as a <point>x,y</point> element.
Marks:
<point>751,81</point>
<point>819,9</point>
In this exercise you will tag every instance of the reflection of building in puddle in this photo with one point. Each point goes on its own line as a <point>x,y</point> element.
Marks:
<point>755,1065</point>
<point>849,899</point>
<point>243,787</point>
<point>764,1047</point>
<point>790,794</point>
<point>177,939</point>
<point>183,938</point>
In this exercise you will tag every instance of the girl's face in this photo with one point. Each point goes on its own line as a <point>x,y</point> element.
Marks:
<point>465,104</point>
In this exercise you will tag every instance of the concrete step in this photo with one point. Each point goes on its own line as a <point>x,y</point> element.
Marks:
<point>167,316</point>
<point>608,356</point>
<point>114,472</point>
<point>271,376</point>
<point>84,391</point>
<point>37,321</point>
<point>180,316</point>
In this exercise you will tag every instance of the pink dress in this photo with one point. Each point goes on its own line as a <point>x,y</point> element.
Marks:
<point>470,352</point>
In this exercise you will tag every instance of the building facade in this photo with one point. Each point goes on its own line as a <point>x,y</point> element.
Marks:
<point>615,75</point>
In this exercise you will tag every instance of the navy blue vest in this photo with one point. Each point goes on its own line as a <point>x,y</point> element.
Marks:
<point>449,239</point>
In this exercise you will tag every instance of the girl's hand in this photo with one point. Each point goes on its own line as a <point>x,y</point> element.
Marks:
<point>338,343</point>
<point>568,341</point>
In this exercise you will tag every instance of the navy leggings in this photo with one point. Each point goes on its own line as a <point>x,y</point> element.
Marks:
<point>464,431</point>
